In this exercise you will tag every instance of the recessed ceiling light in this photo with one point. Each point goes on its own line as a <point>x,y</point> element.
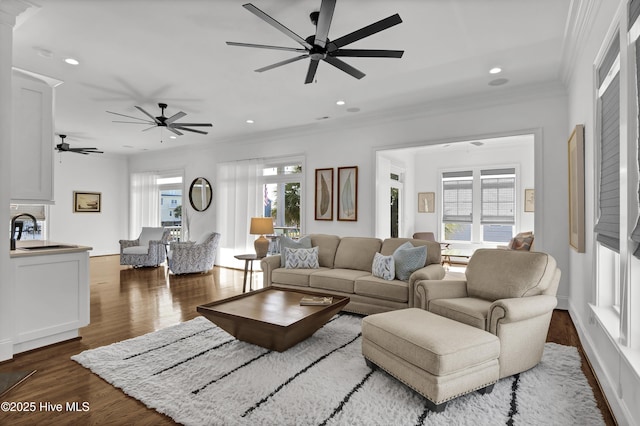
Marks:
<point>173,137</point>
<point>353,109</point>
<point>72,61</point>
<point>45,53</point>
<point>250,121</point>
<point>340,102</point>
<point>495,70</point>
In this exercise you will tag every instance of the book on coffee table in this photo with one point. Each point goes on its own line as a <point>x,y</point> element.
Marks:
<point>316,301</point>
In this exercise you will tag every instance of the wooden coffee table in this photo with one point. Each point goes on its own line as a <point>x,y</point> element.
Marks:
<point>271,317</point>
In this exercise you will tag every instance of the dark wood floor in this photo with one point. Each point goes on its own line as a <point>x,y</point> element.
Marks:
<point>129,302</point>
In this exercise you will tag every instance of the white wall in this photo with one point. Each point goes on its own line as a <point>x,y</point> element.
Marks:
<point>539,110</point>
<point>611,361</point>
<point>91,173</point>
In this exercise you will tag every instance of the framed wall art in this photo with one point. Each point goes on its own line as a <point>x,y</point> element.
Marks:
<point>348,193</point>
<point>324,194</point>
<point>576,188</point>
<point>529,200</point>
<point>87,202</point>
<point>426,202</point>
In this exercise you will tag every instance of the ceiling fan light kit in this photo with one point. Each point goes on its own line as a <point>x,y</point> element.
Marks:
<point>318,47</point>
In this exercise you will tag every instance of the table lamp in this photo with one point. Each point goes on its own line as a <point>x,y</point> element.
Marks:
<point>261,226</point>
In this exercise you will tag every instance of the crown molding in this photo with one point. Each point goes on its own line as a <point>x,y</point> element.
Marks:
<point>14,12</point>
<point>580,18</point>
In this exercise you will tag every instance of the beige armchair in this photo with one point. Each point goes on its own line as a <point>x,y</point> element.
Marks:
<point>508,293</point>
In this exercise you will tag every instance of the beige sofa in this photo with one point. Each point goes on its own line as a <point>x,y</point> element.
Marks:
<point>345,266</point>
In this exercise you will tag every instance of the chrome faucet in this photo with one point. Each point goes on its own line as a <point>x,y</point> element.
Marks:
<point>13,227</point>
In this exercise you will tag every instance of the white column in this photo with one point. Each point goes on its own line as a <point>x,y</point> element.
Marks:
<point>9,10</point>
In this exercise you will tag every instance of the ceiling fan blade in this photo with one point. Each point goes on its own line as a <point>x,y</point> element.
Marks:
<point>324,22</point>
<point>278,64</point>
<point>311,72</point>
<point>192,125</point>
<point>128,116</point>
<point>344,67</point>
<point>190,130</point>
<point>173,130</point>
<point>134,122</point>
<point>155,120</point>
<point>363,32</point>
<point>368,53</point>
<point>277,25</point>
<point>265,46</point>
<point>174,117</point>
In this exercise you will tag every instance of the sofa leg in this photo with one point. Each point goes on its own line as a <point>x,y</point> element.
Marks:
<point>436,408</point>
<point>486,389</point>
<point>370,364</point>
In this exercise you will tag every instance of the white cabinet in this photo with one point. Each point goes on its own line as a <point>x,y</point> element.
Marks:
<point>51,298</point>
<point>33,139</point>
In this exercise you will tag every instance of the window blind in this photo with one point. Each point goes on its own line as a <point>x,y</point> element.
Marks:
<point>37,210</point>
<point>635,234</point>
<point>634,12</point>
<point>497,196</point>
<point>457,197</point>
<point>608,226</point>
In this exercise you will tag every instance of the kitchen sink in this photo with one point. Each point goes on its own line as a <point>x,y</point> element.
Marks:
<point>47,247</point>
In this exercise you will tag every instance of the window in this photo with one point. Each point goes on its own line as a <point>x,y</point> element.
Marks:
<point>282,192</point>
<point>25,223</point>
<point>479,205</point>
<point>608,223</point>
<point>170,192</point>
<point>498,195</point>
<point>457,208</point>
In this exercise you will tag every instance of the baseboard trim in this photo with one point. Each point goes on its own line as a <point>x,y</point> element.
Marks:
<point>6,350</point>
<point>608,388</point>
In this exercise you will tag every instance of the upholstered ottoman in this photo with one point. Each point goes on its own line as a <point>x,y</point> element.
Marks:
<point>439,358</point>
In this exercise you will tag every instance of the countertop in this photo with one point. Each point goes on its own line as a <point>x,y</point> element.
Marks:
<point>67,248</point>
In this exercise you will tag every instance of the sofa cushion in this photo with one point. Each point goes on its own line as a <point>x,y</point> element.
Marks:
<point>467,310</point>
<point>494,274</point>
<point>408,259</point>
<point>286,242</point>
<point>327,246</point>
<point>293,276</point>
<point>433,248</point>
<point>383,267</point>
<point>301,258</point>
<point>336,279</point>
<point>356,253</point>
<point>395,290</point>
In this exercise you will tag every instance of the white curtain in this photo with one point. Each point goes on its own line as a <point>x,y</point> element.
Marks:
<point>238,199</point>
<point>145,199</point>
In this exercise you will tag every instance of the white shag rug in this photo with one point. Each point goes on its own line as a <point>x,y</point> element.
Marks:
<point>197,374</point>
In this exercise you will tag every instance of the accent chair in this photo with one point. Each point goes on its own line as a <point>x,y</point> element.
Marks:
<point>190,257</point>
<point>149,249</point>
<point>508,293</point>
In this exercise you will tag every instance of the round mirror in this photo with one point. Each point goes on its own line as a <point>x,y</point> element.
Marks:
<point>200,194</point>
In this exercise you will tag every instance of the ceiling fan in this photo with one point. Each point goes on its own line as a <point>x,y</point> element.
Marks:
<point>161,121</point>
<point>318,47</point>
<point>64,147</point>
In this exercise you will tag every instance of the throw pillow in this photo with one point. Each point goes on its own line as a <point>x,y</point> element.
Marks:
<point>286,242</point>
<point>383,267</point>
<point>409,259</point>
<point>301,258</point>
<point>521,243</point>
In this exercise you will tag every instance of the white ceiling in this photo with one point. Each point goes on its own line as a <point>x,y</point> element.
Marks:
<point>141,52</point>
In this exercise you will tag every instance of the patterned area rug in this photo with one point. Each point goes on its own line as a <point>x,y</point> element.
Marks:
<point>197,374</point>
